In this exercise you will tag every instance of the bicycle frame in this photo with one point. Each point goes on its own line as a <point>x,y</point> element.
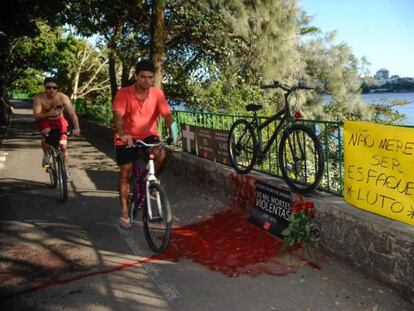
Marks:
<point>149,177</point>
<point>283,115</point>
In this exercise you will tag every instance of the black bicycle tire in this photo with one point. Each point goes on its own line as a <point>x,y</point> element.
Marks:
<point>306,188</point>
<point>63,182</point>
<point>52,170</point>
<point>233,161</point>
<point>166,210</point>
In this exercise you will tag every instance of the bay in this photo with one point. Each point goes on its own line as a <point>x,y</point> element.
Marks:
<point>370,98</point>
<point>408,109</point>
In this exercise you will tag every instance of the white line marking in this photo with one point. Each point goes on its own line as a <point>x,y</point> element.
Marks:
<point>168,290</point>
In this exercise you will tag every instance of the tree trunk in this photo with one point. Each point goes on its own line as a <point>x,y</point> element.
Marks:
<point>4,83</point>
<point>158,40</point>
<point>112,73</point>
<point>125,78</point>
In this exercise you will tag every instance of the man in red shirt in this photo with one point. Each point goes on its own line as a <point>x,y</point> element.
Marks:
<point>135,112</point>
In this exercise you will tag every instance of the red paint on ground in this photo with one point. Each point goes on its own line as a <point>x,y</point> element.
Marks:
<point>228,243</point>
<point>244,191</point>
<point>55,282</point>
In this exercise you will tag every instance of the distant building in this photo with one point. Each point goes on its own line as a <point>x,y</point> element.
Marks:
<point>382,74</point>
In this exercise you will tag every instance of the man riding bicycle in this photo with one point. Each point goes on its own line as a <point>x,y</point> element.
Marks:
<point>48,108</point>
<point>136,109</point>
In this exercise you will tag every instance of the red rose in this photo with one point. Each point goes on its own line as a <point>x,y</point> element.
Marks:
<point>295,209</point>
<point>301,206</point>
<point>309,205</point>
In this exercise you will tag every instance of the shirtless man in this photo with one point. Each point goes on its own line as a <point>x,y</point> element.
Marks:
<point>48,110</point>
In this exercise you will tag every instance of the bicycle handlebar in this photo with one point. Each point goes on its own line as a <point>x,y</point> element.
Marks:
<point>68,133</point>
<point>139,142</point>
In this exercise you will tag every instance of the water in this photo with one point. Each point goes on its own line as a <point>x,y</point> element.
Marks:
<point>408,110</point>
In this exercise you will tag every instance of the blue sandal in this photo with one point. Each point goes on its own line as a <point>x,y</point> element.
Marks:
<point>125,223</point>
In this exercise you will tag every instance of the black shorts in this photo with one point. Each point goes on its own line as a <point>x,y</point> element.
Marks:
<point>126,155</point>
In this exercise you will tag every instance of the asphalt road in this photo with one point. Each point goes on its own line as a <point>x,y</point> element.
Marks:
<point>73,256</point>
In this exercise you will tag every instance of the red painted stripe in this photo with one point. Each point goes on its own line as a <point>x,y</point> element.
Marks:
<point>81,276</point>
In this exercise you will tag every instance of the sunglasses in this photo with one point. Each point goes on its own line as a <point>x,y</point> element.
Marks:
<point>51,87</point>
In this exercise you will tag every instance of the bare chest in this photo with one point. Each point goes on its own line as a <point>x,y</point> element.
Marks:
<point>51,104</point>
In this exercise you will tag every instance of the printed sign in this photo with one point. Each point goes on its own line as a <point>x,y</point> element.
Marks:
<point>379,170</point>
<point>205,144</point>
<point>220,146</point>
<point>189,138</point>
<point>272,210</point>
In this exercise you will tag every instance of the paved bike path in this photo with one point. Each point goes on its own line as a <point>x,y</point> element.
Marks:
<point>73,256</point>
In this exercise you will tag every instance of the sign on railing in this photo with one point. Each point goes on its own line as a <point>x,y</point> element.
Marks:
<point>205,142</point>
<point>379,170</point>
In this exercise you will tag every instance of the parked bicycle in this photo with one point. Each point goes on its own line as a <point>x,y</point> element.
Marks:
<point>300,155</point>
<point>56,166</point>
<point>147,194</point>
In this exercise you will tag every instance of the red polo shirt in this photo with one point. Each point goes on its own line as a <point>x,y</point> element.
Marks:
<point>140,116</point>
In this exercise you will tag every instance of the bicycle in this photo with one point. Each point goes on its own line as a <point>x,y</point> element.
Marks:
<point>56,166</point>
<point>147,194</point>
<point>300,155</point>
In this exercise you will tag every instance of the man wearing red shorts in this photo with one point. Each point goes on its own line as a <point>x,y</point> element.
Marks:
<point>136,109</point>
<point>48,110</point>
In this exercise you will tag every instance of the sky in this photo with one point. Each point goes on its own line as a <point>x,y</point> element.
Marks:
<point>380,30</point>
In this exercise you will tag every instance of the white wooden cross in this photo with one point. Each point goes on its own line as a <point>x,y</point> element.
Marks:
<point>189,136</point>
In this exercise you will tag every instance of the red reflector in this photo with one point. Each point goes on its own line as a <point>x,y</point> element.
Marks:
<point>298,115</point>
<point>151,156</point>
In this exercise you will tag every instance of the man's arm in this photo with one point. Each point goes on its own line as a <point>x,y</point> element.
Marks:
<point>118,124</point>
<point>38,113</point>
<point>72,114</point>
<point>169,120</point>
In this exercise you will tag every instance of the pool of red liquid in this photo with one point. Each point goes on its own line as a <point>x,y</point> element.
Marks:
<point>228,243</point>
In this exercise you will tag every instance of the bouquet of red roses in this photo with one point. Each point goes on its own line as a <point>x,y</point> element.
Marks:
<point>302,230</point>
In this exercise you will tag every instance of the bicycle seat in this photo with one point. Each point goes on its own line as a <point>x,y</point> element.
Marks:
<point>53,138</point>
<point>253,107</point>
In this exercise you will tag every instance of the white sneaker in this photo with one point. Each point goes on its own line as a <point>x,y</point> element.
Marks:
<point>46,159</point>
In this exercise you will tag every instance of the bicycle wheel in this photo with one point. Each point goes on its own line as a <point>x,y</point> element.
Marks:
<point>158,229</point>
<point>301,159</point>
<point>52,170</point>
<point>242,146</point>
<point>62,178</point>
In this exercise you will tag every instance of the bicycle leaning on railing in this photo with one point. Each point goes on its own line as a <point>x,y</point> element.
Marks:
<point>56,166</point>
<point>147,194</point>
<point>300,155</point>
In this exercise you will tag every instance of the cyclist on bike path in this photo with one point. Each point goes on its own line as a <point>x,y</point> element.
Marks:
<point>48,108</point>
<point>136,109</point>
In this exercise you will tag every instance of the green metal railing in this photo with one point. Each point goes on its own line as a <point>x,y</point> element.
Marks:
<point>20,95</point>
<point>329,133</point>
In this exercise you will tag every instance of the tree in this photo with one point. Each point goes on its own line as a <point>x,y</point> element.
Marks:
<point>158,39</point>
<point>109,22</point>
<point>17,24</point>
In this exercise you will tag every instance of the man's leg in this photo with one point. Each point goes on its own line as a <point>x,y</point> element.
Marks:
<point>64,146</point>
<point>159,160</point>
<point>45,147</point>
<point>125,173</point>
